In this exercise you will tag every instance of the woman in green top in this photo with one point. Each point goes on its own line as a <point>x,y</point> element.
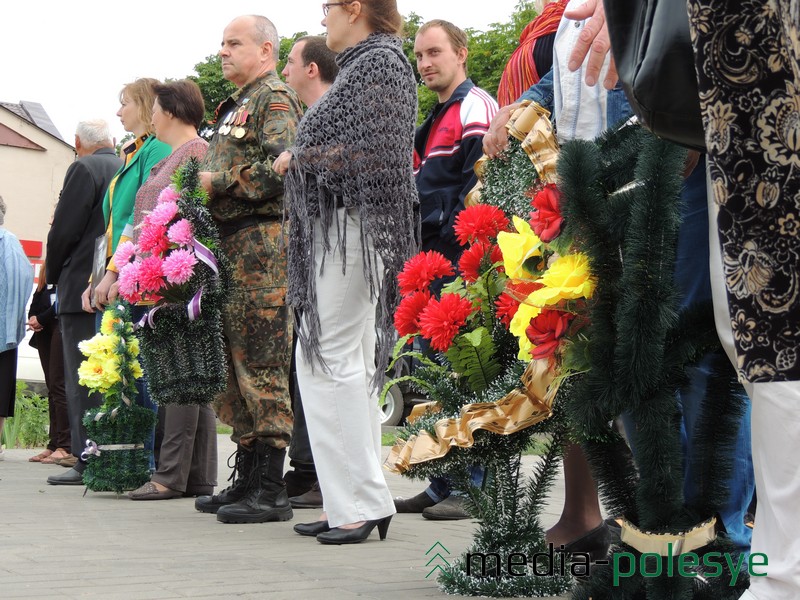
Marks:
<point>136,114</point>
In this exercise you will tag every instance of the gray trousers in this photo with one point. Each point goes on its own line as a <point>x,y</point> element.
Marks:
<point>187,459</point>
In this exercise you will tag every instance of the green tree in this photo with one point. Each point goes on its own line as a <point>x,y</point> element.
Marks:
<point>214,86</point>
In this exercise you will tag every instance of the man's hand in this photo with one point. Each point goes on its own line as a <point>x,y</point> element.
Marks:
<point>496,139</point>
<point>86,302</point>
<point>102,293</point>
<point>281,164</point>
<point>205,181</point>
<point>593,41</point>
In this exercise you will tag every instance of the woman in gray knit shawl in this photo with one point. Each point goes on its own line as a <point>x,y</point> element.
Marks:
<point>350,196</point>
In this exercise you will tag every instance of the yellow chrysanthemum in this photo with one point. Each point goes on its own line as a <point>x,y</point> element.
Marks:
<point>518,326</point>
<point>136,369</point>
<point>568,278</point>
<point>517,248</point>
<point>133,346</point>
<point>108,322</point>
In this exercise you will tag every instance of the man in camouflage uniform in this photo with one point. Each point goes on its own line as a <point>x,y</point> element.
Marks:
<point>254,125</point>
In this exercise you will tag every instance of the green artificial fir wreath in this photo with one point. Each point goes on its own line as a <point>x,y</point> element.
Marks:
<point>181,335</point>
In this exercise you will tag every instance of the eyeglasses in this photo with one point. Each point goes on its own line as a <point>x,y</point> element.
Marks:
<point>327,6</point>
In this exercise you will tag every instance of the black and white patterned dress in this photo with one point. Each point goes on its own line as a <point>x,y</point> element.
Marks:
<point>747,53</point>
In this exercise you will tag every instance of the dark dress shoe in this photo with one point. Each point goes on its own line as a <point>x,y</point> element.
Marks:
<point>71,477</point>
<point>415,504</point>
<point>449,509</point>
<point>150,492</point>
<point>337,535</point>
<point>311,499</point>
<point>312,529</point>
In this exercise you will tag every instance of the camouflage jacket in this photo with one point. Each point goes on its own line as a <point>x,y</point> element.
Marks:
<point>254,125</point>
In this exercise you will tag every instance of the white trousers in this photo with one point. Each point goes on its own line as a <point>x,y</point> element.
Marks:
<point>341,411</point>
<point>775,431</point>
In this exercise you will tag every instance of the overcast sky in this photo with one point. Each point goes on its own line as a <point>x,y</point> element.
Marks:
<point>73,57</point>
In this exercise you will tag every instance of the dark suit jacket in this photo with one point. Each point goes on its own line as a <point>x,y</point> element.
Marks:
<point>77,222</point>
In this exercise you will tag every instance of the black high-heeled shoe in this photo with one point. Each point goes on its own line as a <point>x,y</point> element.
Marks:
<point>595,544</point>
<point>337,535</point>
<point>312,529</point>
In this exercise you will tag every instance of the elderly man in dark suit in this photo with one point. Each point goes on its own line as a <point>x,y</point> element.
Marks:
<point>77,223</point>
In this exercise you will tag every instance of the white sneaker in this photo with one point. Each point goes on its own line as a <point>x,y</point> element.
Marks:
<point>2,453</point>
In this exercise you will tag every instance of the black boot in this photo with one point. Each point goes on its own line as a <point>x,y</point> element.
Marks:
<point>266,500</point>
<point>240,478</point>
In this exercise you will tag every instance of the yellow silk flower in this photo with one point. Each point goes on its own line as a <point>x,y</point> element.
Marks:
<point>519,324</point>
<point>99,344</point>
<point>98,374</point>
<point>568,278</point>
<point>108,322</point>
<point>517,248</point>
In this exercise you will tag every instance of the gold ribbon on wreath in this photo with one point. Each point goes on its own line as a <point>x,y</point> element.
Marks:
<point>530,124</point>
<point>520,408</point>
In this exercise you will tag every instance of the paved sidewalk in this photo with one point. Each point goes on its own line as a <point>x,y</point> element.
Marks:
<point>57,543</point>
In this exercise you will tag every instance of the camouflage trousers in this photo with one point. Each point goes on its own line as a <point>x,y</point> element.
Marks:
<point>258,339</point>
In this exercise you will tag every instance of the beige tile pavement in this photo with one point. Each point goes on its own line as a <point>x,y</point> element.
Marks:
<point>56,542</point>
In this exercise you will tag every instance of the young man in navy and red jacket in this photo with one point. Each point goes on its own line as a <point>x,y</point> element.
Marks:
<point>446,147</point>
<point>450,140</point>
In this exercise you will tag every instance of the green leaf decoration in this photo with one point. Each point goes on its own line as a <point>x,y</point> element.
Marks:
<point>473,356</point>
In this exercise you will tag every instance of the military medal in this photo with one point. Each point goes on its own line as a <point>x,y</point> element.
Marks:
<point>226,128</point>
<point>239,131</point>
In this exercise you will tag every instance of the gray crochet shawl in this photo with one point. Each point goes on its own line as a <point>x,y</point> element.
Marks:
<point>354,148</point>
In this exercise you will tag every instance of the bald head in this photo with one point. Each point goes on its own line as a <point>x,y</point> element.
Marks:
<point>249,49</point>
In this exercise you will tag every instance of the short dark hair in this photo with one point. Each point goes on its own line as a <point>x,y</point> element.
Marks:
<point>316,51</point>
<point>183,100</point>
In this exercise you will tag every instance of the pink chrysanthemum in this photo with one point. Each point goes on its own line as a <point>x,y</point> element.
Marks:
<point>479,222</point>
<point>163,213</point>
<point>129,281</point>
<point>406,317</point>
<point>151,274</point>
<point>477,258</point>
<point>441,320</point>
<point>124,254</point>
<point>422,270</point>
<point>153,239</point>
<point>168,194</point>
<point>179,266</point>
<point>181,233</point>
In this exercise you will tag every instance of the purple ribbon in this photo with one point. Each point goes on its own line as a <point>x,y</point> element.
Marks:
<point>205,255</point>
<point>193,308</point>
<point>147,318</point>
<point>90,450</point>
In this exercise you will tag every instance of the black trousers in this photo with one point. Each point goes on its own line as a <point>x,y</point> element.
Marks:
<point>74,329</point>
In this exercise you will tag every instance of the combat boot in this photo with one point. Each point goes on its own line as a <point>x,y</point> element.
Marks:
<point>243,473</point>
<point>266,499</point>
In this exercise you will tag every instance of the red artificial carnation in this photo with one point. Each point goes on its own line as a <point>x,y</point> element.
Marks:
<point>546,220</point>
<point>479,222</point>
<point>508,302</point>
<point>441,320</point>
<point>475,259</point>
<point>422,270</point>
<point>546,330</point>
<point>406,317</point>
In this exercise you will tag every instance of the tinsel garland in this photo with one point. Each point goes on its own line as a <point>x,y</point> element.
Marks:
<point>639,348</point>
<point>184,358</point>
